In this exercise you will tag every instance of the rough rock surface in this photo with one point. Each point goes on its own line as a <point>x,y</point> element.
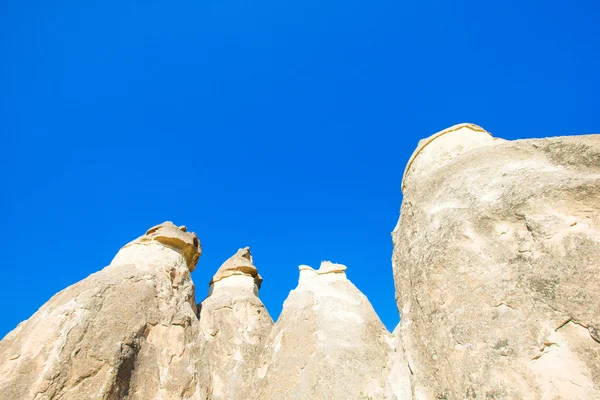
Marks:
<point>328,343</point>
<point>496,264</point>
<point>239,264</point>
<point>124,332</point>
<point>234,324</point>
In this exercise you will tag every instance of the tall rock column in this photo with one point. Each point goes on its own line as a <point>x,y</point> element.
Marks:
<point>329,343</point>
<point>234,324</point>
<point>497,264</point>
<point>121,333</point>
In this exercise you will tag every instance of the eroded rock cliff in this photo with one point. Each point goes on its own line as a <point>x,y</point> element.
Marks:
<point>234,325</point>
<point>497,264</point>
<point>124,332</point>
<point>134,331</point>
<point>328,343</point>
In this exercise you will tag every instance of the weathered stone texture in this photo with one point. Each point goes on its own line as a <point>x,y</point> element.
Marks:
<point>233,326</point>
<point>85,342</point>
<point>328,343</point>
<point>496,264</point>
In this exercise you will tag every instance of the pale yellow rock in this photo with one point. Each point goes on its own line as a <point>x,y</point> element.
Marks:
<point>177,238</point>
<point>327,267</point>
<point>496,264</point>
<point>329,343</point>
<point>124,332</point>
<point>434,151</point>
<point>234,324</point>
<point>238,264</point>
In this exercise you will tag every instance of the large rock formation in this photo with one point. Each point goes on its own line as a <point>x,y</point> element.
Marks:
<point>133,331</point>
<point>329,343</point>
<point>497,263</point>
<point>124,332</point>
<point>234,324</point>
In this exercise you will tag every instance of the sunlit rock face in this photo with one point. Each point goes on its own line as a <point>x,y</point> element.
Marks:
<point>328,343</point>
<point>123,332</point>
<point>233,326</point>
<point>133,331</point>
<point>497,264</point>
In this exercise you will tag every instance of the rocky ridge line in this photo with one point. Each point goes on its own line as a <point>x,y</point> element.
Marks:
<point>496,262</point>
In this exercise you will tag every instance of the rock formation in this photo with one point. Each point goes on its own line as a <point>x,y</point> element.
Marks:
<point>123,332</point>
<point>234,324</point>
<point>328,343</point>
<point>497,263</point>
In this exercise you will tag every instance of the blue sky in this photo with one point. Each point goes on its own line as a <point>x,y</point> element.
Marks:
<point>284,126</point>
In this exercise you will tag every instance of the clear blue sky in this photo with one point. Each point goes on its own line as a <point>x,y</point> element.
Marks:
<point>284,126</point>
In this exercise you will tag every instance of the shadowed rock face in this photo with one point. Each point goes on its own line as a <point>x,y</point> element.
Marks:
<point>496,263</point>
<point>123,332</point>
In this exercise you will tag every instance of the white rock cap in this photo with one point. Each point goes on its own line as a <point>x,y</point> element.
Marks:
<point>439,148</point>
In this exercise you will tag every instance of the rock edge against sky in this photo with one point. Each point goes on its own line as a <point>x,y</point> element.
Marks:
<point>496,262</point>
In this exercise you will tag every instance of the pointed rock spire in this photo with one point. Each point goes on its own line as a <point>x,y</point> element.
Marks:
<point>239,264</point>
<point>234,324</point>
<point>327,333</point>
<point>127,331</point>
